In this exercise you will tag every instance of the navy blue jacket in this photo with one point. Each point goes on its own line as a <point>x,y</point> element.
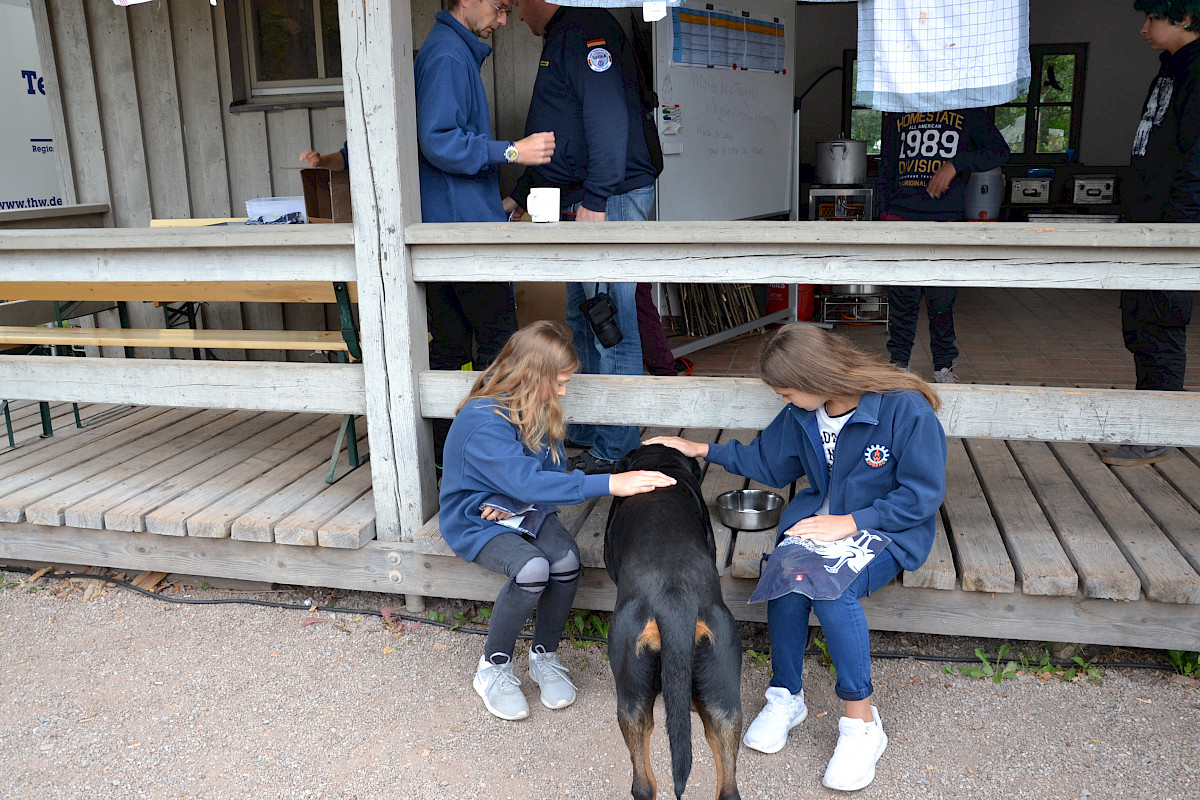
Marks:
<point>889,468</point>
<point>587,93</point>
<point>914,147</point>
<point>485,456</point>
<point>456,153</point>
<point>1166,158</point>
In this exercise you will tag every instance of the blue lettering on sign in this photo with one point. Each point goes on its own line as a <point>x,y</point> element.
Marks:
<point>42,145</point>
<point>33,84</point>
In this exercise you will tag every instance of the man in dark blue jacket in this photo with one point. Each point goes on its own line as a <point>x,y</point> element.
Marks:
<point>586,91</point>
<point>458,161</point>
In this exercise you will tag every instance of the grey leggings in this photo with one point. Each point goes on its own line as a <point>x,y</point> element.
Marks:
<point>542,571</point>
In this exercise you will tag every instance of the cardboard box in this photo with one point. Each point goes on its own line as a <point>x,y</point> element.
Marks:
<point>327,195</point>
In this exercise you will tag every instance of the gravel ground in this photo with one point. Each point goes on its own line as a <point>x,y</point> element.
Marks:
<point>126,696</point>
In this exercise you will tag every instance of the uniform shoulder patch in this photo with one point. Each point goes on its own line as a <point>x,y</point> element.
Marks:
<point>599,59</point>
<point>596,43</point>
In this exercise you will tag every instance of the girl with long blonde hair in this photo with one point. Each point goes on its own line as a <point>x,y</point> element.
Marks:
<point>867,437</point>
<point>504,475</point>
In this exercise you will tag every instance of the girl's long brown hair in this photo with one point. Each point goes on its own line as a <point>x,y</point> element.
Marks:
<point>523,379</point>
<point>815,361</point>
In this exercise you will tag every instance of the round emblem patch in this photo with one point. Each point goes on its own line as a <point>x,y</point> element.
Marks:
<point>876,455</point>
<point>599,59</point>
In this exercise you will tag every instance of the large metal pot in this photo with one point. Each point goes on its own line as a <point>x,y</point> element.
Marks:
<point>841,161</point>
<point>858,289</point>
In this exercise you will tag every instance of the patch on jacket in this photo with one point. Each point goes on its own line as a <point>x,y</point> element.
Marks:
<point>876,455</point>
<point>596,43</point>
<point>599,59</point>
<point>543,63</point>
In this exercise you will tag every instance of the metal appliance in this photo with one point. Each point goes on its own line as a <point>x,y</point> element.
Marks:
<point>840,203</point>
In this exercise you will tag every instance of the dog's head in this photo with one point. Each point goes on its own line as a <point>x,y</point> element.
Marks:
<point>666,460</point>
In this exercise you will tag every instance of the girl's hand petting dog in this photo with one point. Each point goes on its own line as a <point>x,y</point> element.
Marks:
<point>640,481</point>
<point>824,528</point>
<point>685,446</point>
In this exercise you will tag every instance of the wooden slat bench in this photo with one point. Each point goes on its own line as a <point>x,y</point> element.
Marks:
<point>344,342</point>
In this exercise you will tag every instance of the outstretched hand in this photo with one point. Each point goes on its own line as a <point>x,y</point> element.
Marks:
<point>685,446</point>
<point>824,527</point>
<point>941,180</point>
<point>639,481</point>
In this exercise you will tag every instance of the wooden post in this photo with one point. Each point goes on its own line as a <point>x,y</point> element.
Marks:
<point>377,75</point>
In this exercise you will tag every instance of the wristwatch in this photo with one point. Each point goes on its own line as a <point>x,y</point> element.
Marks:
<point>510,153</point>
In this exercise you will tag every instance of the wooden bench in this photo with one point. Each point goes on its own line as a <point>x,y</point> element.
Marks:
<point>344,342</point>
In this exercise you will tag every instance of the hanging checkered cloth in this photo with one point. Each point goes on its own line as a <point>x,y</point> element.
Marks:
<point>918,55</point>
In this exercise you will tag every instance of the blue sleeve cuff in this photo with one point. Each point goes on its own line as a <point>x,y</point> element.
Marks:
<point>495,152</point>
<point>595,486</point>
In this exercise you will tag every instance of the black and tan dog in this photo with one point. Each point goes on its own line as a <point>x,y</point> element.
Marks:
<point>671,631</point>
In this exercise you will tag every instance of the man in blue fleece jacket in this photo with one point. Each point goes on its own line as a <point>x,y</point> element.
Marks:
<point>458,160</point>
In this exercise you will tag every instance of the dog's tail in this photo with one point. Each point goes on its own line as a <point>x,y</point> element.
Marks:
<point>680,634</point>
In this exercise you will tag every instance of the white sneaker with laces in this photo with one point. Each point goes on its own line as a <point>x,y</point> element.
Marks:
<point>860,744</point>
<point>546,671</point>
<point>945,375</point>
<point>500,688</point>
<point>783,711</point>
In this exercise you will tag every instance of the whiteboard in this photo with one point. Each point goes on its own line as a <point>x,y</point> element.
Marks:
<point>726,133</point>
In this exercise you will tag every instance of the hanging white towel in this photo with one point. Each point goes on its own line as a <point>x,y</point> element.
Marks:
<point>930,55</point>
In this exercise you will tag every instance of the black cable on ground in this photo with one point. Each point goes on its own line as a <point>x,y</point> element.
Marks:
<point>458,627</point>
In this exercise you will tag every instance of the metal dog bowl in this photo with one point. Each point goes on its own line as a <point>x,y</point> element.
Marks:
<point>749,509</point>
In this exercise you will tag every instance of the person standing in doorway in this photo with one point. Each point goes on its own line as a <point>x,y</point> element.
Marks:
<point>458,159</point>
<point>587,92</point>
<point>1165,187</point>
<point>924,162</point>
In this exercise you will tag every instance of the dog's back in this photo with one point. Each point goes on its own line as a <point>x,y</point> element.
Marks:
<point>671,631</point>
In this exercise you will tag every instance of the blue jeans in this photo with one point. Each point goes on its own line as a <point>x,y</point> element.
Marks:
<point>610,442</point>
<point>845,627</point>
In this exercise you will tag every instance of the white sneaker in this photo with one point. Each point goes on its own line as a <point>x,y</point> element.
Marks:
<point>783,711</point>
<point>945,375</point>
<point>860,744</point>
<point>500,688</point>
<point>546,671</point>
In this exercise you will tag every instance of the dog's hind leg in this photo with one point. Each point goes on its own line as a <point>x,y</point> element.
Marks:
<point>636,725</point>
<point>717,697</point>
<point>723,734</point>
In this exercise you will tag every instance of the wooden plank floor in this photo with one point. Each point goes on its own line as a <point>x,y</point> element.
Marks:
<point>187,472</point>
<point>1044,520</point>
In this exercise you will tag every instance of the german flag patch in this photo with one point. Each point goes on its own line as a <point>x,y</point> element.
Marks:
<point>595,43</point>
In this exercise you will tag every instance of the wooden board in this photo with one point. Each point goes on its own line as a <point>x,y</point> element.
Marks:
<point>968,410</point>
<point>1037,557</point>
<point>1103,572</point>
<point>37,451</point>
<point>176,291</point>
<point>982,562</point>
<point>174,337</point>
<point>301,526</point>
<point>216,521</point>
<point>206,461</point>
<point>1174,515</point>
<point>351,528</point>
<point>1183,473</point>
<point>1165,575</point>
<point>938,570</point>
<point>127,464</point>
<point>172,517</point>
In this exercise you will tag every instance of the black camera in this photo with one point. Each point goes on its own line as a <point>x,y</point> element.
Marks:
<point>601,314</point>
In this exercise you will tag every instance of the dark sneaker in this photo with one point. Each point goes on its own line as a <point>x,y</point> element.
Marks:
<point>1135,455</point>
<point>684,366</point>
<point>588,463</point>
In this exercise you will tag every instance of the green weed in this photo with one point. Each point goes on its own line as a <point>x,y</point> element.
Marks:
<point>996,672</point>
<point>761,658</point>
<point>436,616</point>
<point>824,648</point>
<point>1184,662</point>
<point>584,625</point>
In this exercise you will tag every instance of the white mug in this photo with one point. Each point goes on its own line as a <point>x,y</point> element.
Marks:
<point>542,204</point>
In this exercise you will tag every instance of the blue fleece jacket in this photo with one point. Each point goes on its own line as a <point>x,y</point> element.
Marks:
<point>889,468</point>
<point>456,153</point>
<point>484,456</point>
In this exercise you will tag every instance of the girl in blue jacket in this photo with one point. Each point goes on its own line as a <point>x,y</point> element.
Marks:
<point>504,460</point>
<point>867,437</point>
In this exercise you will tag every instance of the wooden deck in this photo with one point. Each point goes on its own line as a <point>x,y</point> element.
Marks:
<point>1035,540</point>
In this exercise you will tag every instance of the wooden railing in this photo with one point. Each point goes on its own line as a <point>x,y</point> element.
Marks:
<point>1098,257</point>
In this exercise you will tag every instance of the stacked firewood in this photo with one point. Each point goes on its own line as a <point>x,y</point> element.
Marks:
<point>710,308</point>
